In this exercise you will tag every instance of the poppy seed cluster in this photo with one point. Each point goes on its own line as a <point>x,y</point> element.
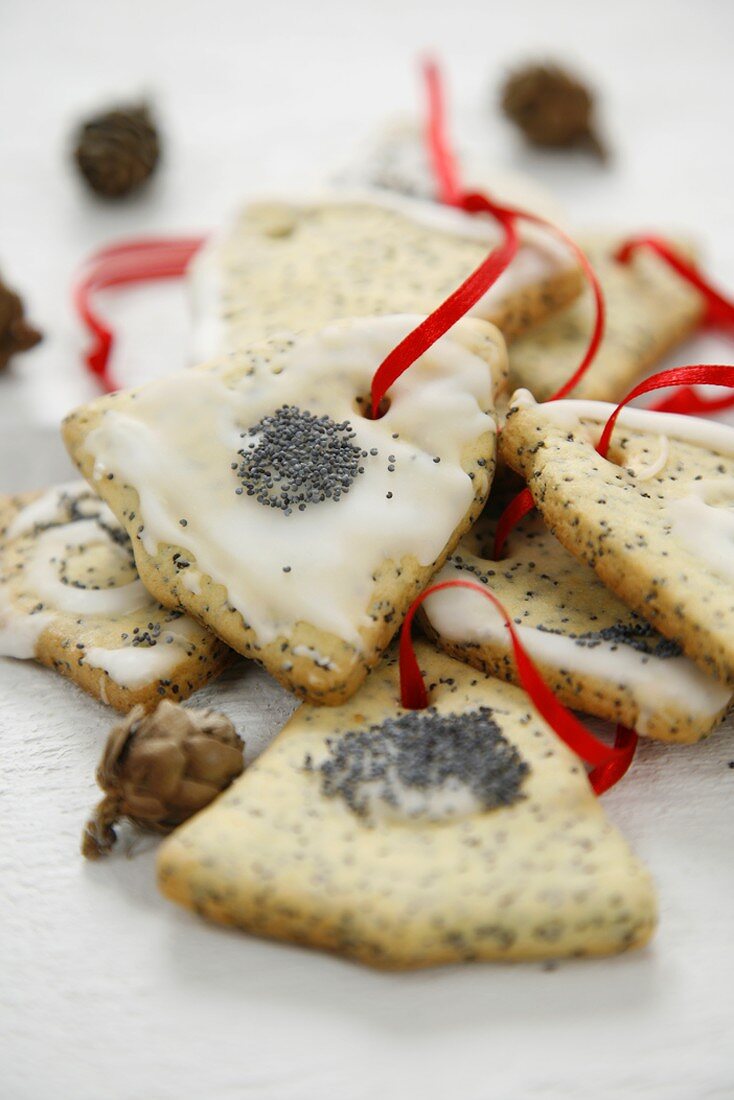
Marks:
<point>639,636</point>
<point>423,751</point>
<point>295,458</point>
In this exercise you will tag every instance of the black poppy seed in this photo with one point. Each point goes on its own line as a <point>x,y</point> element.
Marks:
<point>286,568</point>
<point>389,496</point>
<point>298,459</point>
<point>423,750</point>
<point>640,636</point>
<point>184,522</point>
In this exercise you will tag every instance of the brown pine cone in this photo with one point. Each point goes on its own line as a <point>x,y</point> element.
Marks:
<point>159,769</point>
<point>15,332</point>
<point>551,107</point>
<point>118,151</point>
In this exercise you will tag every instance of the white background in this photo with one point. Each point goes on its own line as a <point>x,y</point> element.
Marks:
<point>107,990</point>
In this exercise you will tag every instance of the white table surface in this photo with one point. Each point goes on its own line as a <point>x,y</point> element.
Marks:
<point>105,988</point>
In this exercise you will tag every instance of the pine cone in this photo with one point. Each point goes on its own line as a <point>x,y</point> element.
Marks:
<point>118,151</point>
<point>15,332</point>
<point>159,769</point>
<point>552,108</point>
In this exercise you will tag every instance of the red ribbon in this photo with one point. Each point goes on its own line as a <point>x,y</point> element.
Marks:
<point>479,282</point>
<point>719,314</point>
<point>127,262</point>
<point>711,374</point>
<point>608,764</point>
<point>719,309</point>
<point>437,324</point>
<point>515,511</point>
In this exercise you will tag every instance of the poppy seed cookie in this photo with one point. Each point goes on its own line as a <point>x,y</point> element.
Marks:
<point>260,498</point>
<point>649,310</point>
<point>395,158</point>
<point>297,266</point>
<point>593,651</point>
<point>70,598</point>
<point>654,519</point>
<point>404,839</point>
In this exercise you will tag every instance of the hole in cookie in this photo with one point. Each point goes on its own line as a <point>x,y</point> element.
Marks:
<point>363,406</point>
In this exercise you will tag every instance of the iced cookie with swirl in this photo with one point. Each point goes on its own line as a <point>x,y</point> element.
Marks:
<point>71,598</point>
<point>649,311</point>
<point>596,654</point>
<point>655,519</point>
<point>260,497</point>
<point>405,839</point>
<point>295,266</point>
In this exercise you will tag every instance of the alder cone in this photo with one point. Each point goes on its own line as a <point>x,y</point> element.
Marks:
<point>551,107</point>
<point>16,334</point>
<point>159,769</point>
<point>118,151</point>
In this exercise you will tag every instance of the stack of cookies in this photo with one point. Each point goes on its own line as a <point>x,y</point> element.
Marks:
<point>251,506</point>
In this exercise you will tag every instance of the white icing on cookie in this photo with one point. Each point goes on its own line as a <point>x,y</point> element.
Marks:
<point>460,615</point>
<point>709,434</point>
<point>175,442</point>
<point>52,541</point>
<point>703,522</point>
<point>135,666</point>
<point>313,655</point>
<point>652,469</point>
<point>192,581</point>
<point>52,547</point>
<point>46,508</point>
<point>19,630</point>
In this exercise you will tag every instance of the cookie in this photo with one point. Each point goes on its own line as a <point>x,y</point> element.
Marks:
<point>654,520</point>
<point>403,839</point>
<point>260,499</point>
<point>650,310</point>
<point>70,598</point>
<point>593,651</point>
<point>297,266</point>
<point>395,159</point>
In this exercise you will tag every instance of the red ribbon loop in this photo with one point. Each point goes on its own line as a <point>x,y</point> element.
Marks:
<point>710,374</point>
<point>609,764</point>
<point>719,308</point>
<point>133,261</point>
